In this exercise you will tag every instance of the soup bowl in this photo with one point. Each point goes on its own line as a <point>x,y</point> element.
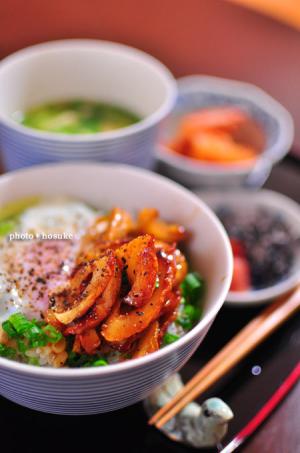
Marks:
<point>90,70</point>
<point>103,389</point>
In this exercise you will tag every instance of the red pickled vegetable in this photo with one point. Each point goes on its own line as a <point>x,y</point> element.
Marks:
<point>241,279</point>
<point>238,248</point>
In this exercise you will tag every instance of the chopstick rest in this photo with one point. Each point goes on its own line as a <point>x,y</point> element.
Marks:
<point>195,425</point>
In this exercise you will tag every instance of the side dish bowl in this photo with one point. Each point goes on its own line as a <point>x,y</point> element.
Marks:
<point>200,92</point>
<point>278,204</point>
<point>90,70</point>
<point>103,389</point>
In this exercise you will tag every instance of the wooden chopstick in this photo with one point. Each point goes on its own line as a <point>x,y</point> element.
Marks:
<point>245,341</point>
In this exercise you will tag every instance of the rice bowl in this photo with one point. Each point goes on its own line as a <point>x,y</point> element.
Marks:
<point>95,390</point>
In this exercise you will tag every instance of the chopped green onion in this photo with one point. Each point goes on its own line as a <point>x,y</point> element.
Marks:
<point>36,340</point>
<point>157,282</point>
<point>22,346</point>
<point>100,362</point>
<point>84,360</point>
<point>6,351</point>
<point>6,226</point>
<point>20,323</point>
<point>33,361</point>
<point>37,336</point>
<point>29,334</point>
<point>188,316</point>
<point>72,358</point>
<point>53,335</point>
<point>170,338</point>
<point>192,312</point>
<point>184,322</point>
<point>183,301</point>
<point>193,281</point>
<point>9,329</point>
<point>192,287</point>
<point>29,330</point>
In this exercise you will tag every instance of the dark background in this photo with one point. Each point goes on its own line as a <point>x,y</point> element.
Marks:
<point>212,37</point>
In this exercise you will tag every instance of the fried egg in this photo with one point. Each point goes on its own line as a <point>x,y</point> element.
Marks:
<point>31,269</point>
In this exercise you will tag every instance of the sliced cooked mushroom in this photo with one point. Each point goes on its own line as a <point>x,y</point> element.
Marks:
<point>149,342</point>
<point>181,263</point>
<point>87,283</point>
<point>116,225</point>
<point>90,341</point>
<point>121,326</point>
<point>102,307</point>
<point>106,232</point>
<point>149,222</point>
<point>169,312</point>
<point>140,262</point>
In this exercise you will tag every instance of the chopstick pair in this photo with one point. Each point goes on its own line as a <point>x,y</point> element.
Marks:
<point>244,342</point>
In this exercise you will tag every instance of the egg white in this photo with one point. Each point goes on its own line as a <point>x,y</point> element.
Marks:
<point>54,216</point>
<point>57,216</point>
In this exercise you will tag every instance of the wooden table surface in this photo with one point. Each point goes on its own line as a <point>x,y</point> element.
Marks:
<point>125,431</point>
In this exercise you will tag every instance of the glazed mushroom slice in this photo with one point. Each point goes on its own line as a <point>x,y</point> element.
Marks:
<point>171,303</point>
<point>121,326</point>
<point>85,286</point>
<point>102,307</point>
<point>169,312</point>
<point>116,225</point>
<point>140,263</point>
<point>181,267</point>
<point>120,225</point>
<point>106,232</point>
<point>149,342</point>
<point>90,341</point>
<point>180,260</point>
<point>148,222</point>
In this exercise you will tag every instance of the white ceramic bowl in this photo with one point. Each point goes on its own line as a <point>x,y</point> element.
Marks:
<point>89,391</point>
<point>273,202</point>
<point>87,69</point>
<point>197,92</point>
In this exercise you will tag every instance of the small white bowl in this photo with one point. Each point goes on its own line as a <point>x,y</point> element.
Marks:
<point>95,390</point>
<point>273,202</point>
<point>197,92</point>
<point>87,69</point>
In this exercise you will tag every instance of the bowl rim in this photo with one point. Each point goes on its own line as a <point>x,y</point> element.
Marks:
<point>70,44</point>
<point>291,207</point>
<point>32,370</point>
<point>234,89</point>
